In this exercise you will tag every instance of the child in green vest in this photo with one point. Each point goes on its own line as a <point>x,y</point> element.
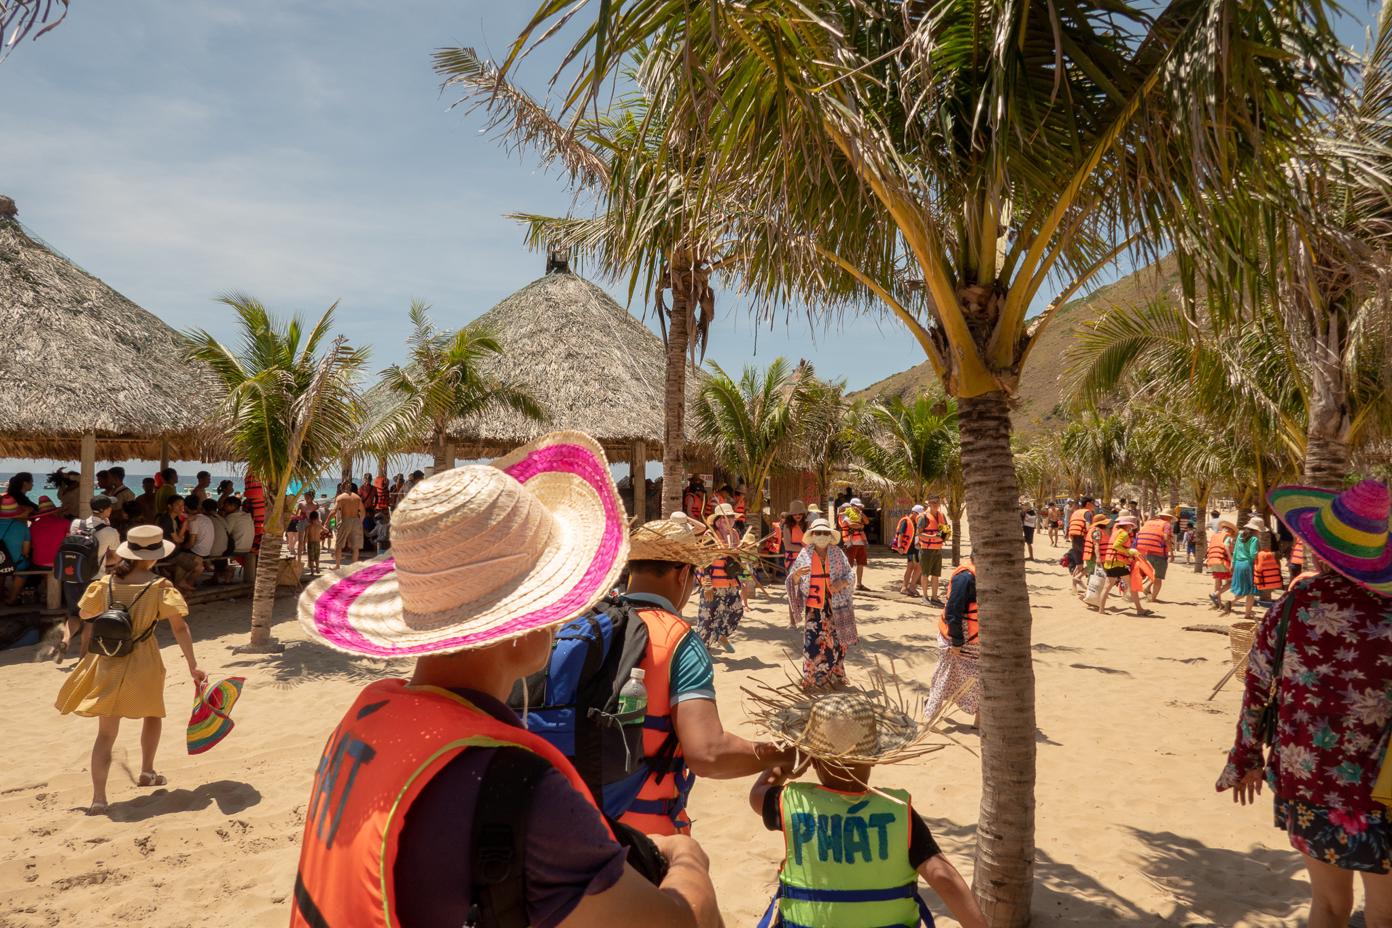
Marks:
<point>853,854</point>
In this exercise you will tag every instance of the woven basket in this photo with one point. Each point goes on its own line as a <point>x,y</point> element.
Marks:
<point>1240,640</point>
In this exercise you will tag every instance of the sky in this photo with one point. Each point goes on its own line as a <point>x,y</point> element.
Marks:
<point>303,153</point>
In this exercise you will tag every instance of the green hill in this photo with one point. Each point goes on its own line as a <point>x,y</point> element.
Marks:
<point>1041,400</point>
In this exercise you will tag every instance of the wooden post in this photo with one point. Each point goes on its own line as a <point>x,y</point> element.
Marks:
<point>164,454</point>
<point>89,475</point>
<point>638,472</point>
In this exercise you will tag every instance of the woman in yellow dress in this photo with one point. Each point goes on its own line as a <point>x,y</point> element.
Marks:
<point>129,687</point>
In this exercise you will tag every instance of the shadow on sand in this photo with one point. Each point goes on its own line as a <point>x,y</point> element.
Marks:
<point>231,797</point>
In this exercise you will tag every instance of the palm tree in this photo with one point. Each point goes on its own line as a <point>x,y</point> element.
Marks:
<point>444,381</point>
<point>648,226</point>
<point>290,408</point>
<point>906,445</point>
<point>985,150</point>
<point>748,424</point>
<point>828,423</point>
<point>1097,441</point>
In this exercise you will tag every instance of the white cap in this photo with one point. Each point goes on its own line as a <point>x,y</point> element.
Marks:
<point>918,507</point>
<point>638,673</point>
<point>855,501</point>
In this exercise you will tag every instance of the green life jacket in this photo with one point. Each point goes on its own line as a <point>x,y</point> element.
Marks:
<point>847,862</point>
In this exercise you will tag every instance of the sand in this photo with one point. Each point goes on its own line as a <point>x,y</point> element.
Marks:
<point>1130,831</point>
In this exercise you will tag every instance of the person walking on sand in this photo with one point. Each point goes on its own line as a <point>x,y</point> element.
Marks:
<point>905,544</point>
<point>1029,520</point>
<point>1244,558</point>
<point>1054,517</point>
<point>348,516</point>
<point>722,606</point>
<point>1079,522</point>
<point>1316,695</point>
<point>110,685</point>
<point>1218,559</point>
<point>821,593</point>
<point>957,678</point>
<point>851,520</point>
<point>432,804</point>
<point>1155,541</point>
<point>1121,557</point>
<point>841,875</point>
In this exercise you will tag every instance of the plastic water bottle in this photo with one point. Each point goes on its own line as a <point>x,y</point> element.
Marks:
<point>633,699</point>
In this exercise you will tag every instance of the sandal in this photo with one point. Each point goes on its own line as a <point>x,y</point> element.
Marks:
<point>1142,613</point>
<point>97,808</point>
<point>150,778</point>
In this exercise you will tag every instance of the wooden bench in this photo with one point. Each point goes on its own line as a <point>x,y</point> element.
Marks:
<point>53,590</point>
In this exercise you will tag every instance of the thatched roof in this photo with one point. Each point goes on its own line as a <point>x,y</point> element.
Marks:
<point>82,358</point>
<point>590,364</point>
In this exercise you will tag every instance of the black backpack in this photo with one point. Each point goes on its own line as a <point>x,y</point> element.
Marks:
<point>112,632</point>
<point>75,564</point>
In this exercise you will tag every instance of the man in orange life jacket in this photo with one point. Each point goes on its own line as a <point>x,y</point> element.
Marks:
<point>663,559</point>
<point>696,502</point>
<point>851,522</point>
<point>932,531</point>
<point>905,544</point>
<point>1079,525</point>
<point>432,804</point>
<point>1155,541</point>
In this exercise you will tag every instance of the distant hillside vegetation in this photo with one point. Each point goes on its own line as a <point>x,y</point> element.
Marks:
<point>1041,399</point>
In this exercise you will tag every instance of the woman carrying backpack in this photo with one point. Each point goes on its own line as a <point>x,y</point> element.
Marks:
<point>122,674</point>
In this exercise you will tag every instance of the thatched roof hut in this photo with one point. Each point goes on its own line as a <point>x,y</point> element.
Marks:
<point>82,361</point>
<point>591,365</point>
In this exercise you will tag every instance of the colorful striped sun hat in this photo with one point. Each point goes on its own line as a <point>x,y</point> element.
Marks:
<point>9,507</point>
<point>482,554</point>
<point>1347,530</point>
<point>211,720</point>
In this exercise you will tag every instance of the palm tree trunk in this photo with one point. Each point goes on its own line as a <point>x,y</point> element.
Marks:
<point>956,540</point>
<point>674,392</point>
<point>264,591</point>
<point>1327,436</point>
<point>437,448</point>
<point>1201,497</point>
<point>1005,831</point>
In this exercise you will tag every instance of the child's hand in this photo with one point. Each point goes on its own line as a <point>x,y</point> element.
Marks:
<point>773,776</point>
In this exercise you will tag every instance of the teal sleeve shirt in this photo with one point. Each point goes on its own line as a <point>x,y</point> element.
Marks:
<point>692,672</point>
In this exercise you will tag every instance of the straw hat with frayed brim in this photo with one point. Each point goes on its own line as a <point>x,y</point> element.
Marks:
<point>724,509</point>
<point>844,727</point>
<point>145,543</point>
<point>1229,525</point>
<point>480,555</point>
<point>1099,520</point>
<point>1346,530</point>
<point>820,527</point>
<point>1171,514</point>
<point>674,542</point>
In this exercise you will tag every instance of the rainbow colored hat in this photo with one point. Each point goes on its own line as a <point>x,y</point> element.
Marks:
<point>1348,530</point>
<point>211,720</point>
<point>9,507</point>
<point>480,555</point>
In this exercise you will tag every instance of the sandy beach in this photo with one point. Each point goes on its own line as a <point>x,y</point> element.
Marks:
<point>1130,831</point>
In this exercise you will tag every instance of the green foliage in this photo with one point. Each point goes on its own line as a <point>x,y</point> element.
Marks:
<point>291,405</point>
<point>907,446</point>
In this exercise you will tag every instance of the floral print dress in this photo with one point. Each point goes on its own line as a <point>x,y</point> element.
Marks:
<point>1335,705</point>
<point>827,630</point>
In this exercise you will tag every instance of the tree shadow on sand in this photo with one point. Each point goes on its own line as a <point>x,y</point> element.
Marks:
<point>231,797</point>
<point>305,662</point>
<point>1224,885</point>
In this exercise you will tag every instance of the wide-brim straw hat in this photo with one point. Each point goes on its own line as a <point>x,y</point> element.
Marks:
<point>1227,524</point>
<point>797,508</point>
<point>724,509</point>
<point>844,727</point>
<point>145,543</point>
<point>480,555</point>
<point>674,542</point>
<point>1171,514</point>
<point>1100,520</point>
<point>1257,524</point>
<point>819,526</point>
<point>1348,530</point>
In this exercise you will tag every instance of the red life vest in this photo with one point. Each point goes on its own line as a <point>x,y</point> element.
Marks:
<point>792,539</point>
<point>723,575</point>
<point>1154,538</point>
<point>774,544</point>
<point>660,808</point>
<point>903,535</point>
<point>972,627</point>
<point>394,739</point>
<point>818,583</point>
<point>930,536</point>
<point>1219,554</point>
<point>740,505</point>
<point>1078,523</point>
<point>1097,544</point>
<point>852,533</point>
<point>1297,555</point>
<point>1266,571</point>
<point>694,504</point>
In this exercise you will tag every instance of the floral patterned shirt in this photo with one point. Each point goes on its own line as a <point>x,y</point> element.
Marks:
<point>1335,696</point>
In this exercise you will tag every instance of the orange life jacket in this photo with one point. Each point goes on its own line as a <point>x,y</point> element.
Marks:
<point>694,504</point>
<point>394,739</point>
<point>774,544</point>
<point>660,808</point>
<point>723,575</point>
<point>1078,523</point>
<point>740,504</point>
<point>972,629</point>
<point>818,583</point>
<point>1154,538</point>
<point>852,533</point>
<point>792,539</point>
<point>1119,552</point>
<point>1097,544</point>
<point>1266,571</point>
<point>1297,555</point>
<point>903,535</point>
<point>1219,554</point>
<point>930,536</point>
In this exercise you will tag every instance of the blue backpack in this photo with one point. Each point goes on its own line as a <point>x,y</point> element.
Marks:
<point>573,704</point>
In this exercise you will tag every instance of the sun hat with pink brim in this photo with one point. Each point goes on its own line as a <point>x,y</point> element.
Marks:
<point>1347,530</point>
<point>480,555</point>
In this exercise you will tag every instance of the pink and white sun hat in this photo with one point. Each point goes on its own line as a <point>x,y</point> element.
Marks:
<point>482,554</point>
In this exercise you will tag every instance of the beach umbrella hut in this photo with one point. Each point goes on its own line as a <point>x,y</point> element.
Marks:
<point>86,373</point>
<point>588,362</point>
